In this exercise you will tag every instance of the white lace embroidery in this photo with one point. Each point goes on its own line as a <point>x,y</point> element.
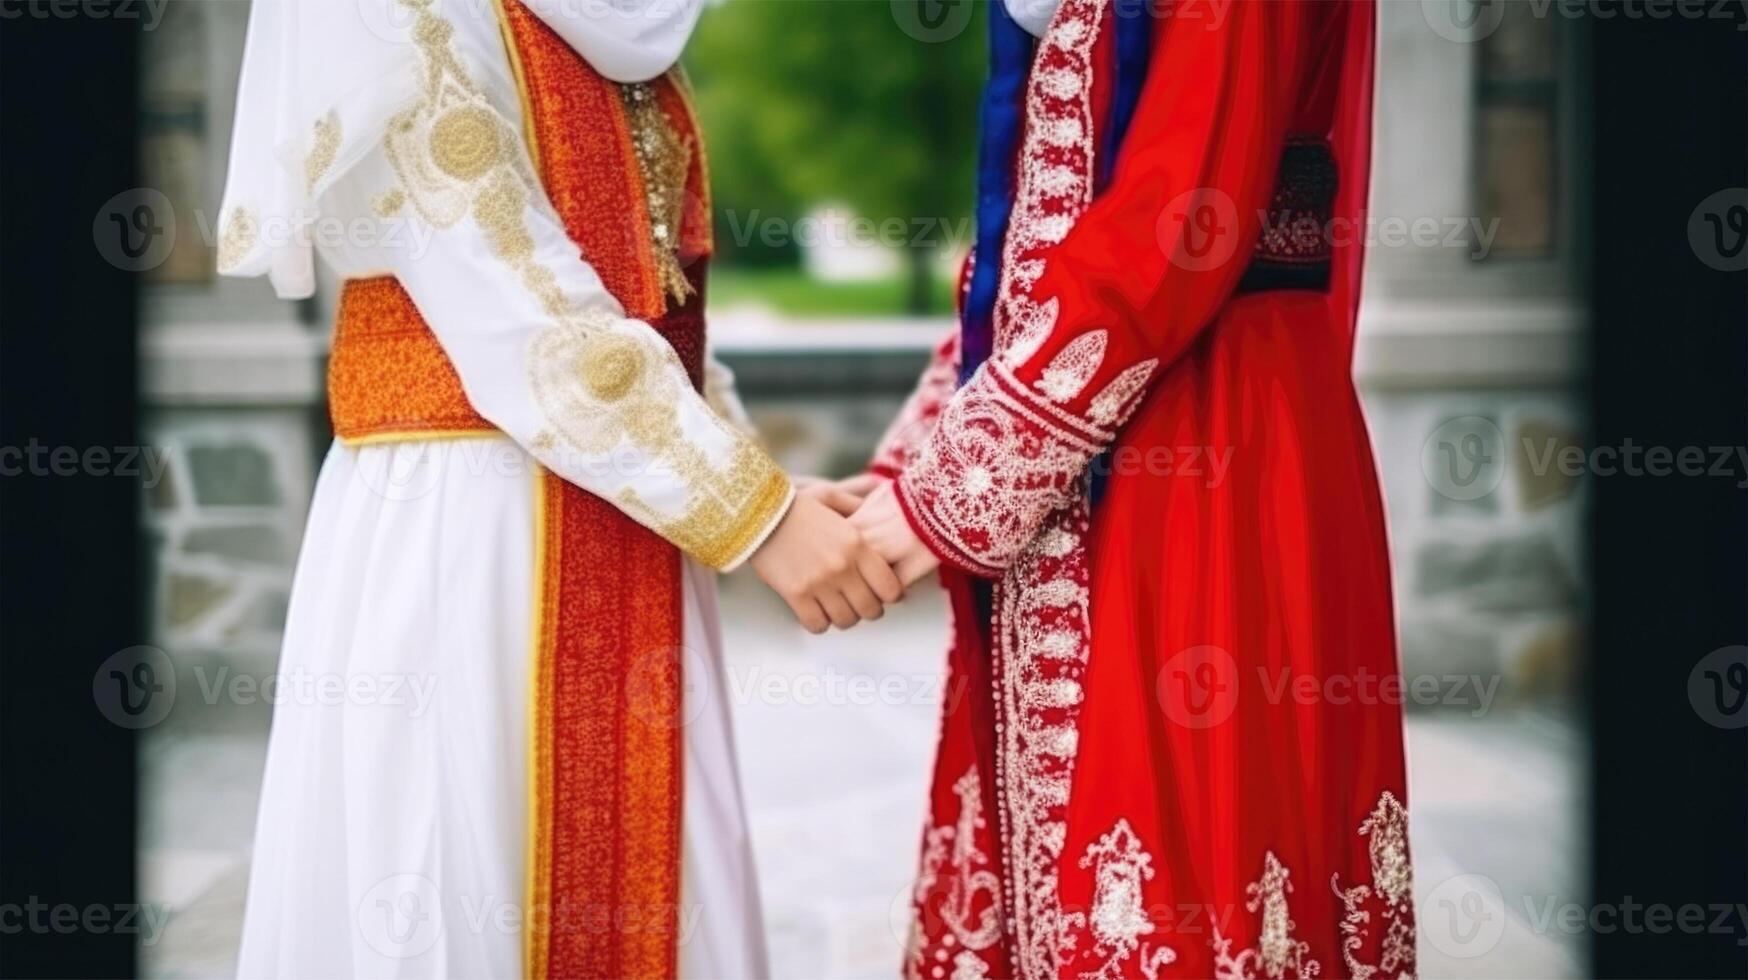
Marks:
<point>1119,916</point>
<point>951,854</point>
<point>1112,406</point>
<point>1042,628</point>
<point>999,460</point>
<point>1392,888</point>
<point>1068,373</point>
<point>1276,951</point>
<point>1042,625</point>
<point>1056,162</point>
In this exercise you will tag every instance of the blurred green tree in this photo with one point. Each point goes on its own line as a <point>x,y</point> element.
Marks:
<point>872,103</point>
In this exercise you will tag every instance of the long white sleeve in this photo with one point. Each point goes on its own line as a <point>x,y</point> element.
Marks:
<point>544,352</point>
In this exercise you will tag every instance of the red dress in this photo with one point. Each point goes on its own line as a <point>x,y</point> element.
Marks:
<point>1180,753</point>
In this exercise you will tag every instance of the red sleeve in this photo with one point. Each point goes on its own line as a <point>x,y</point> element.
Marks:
<point>1094,315</point>
<point>922,410</point>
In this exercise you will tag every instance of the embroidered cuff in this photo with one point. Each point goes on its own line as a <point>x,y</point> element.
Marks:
<point>999,461</point>
<point>747,532</point>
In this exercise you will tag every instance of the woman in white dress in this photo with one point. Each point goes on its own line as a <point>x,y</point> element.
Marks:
<point>408,824</point>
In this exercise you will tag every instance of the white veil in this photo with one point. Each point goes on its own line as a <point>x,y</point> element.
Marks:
<point>322,78</point>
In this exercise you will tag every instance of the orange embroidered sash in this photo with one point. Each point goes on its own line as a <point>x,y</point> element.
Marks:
<point>624,171</point>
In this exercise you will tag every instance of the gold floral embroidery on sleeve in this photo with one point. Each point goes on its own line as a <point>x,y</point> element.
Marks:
<point>242,228</point>
<point>602,382</point>
<point>323,148</point>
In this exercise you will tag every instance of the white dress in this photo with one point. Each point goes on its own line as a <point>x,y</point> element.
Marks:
<point>392,834</point>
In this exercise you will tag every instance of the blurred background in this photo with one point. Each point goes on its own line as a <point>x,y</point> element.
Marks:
<point>841,140</point>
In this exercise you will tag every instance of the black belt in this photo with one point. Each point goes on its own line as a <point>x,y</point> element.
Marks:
<point>1293,249</point>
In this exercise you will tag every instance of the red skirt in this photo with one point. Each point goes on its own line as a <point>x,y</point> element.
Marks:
<point>1236,804</point>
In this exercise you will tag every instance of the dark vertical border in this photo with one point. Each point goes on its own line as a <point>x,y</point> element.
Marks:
<point>1670,368</point>
<point>69,549</point>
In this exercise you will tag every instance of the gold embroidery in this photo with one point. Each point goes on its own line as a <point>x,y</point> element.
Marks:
<point>322,150</point>
<point>611,366</point>
<point>590,370</point>
<point>664,160</point>
<point>466,143</point>
<point>733,513</point>
<point>238,238</point>
<point>389,202</point>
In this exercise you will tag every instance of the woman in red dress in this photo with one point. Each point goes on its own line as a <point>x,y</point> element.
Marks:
<point>1149,486</point>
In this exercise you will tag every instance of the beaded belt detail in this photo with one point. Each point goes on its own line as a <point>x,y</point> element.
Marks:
<point>1294,248</point>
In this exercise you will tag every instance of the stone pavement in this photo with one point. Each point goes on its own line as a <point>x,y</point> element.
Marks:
<point>835,736</point>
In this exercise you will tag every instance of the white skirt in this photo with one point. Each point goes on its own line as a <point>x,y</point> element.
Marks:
<point>393,821</point>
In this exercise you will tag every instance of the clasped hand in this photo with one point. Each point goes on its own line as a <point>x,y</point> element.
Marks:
<point>842,553</point>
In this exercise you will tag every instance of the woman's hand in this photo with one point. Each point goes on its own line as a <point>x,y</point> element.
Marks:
<point>821,566</point>
<point>885,529</point>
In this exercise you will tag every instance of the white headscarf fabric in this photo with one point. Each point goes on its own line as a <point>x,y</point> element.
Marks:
<point>322,78</point>
<point>1033,15</point>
